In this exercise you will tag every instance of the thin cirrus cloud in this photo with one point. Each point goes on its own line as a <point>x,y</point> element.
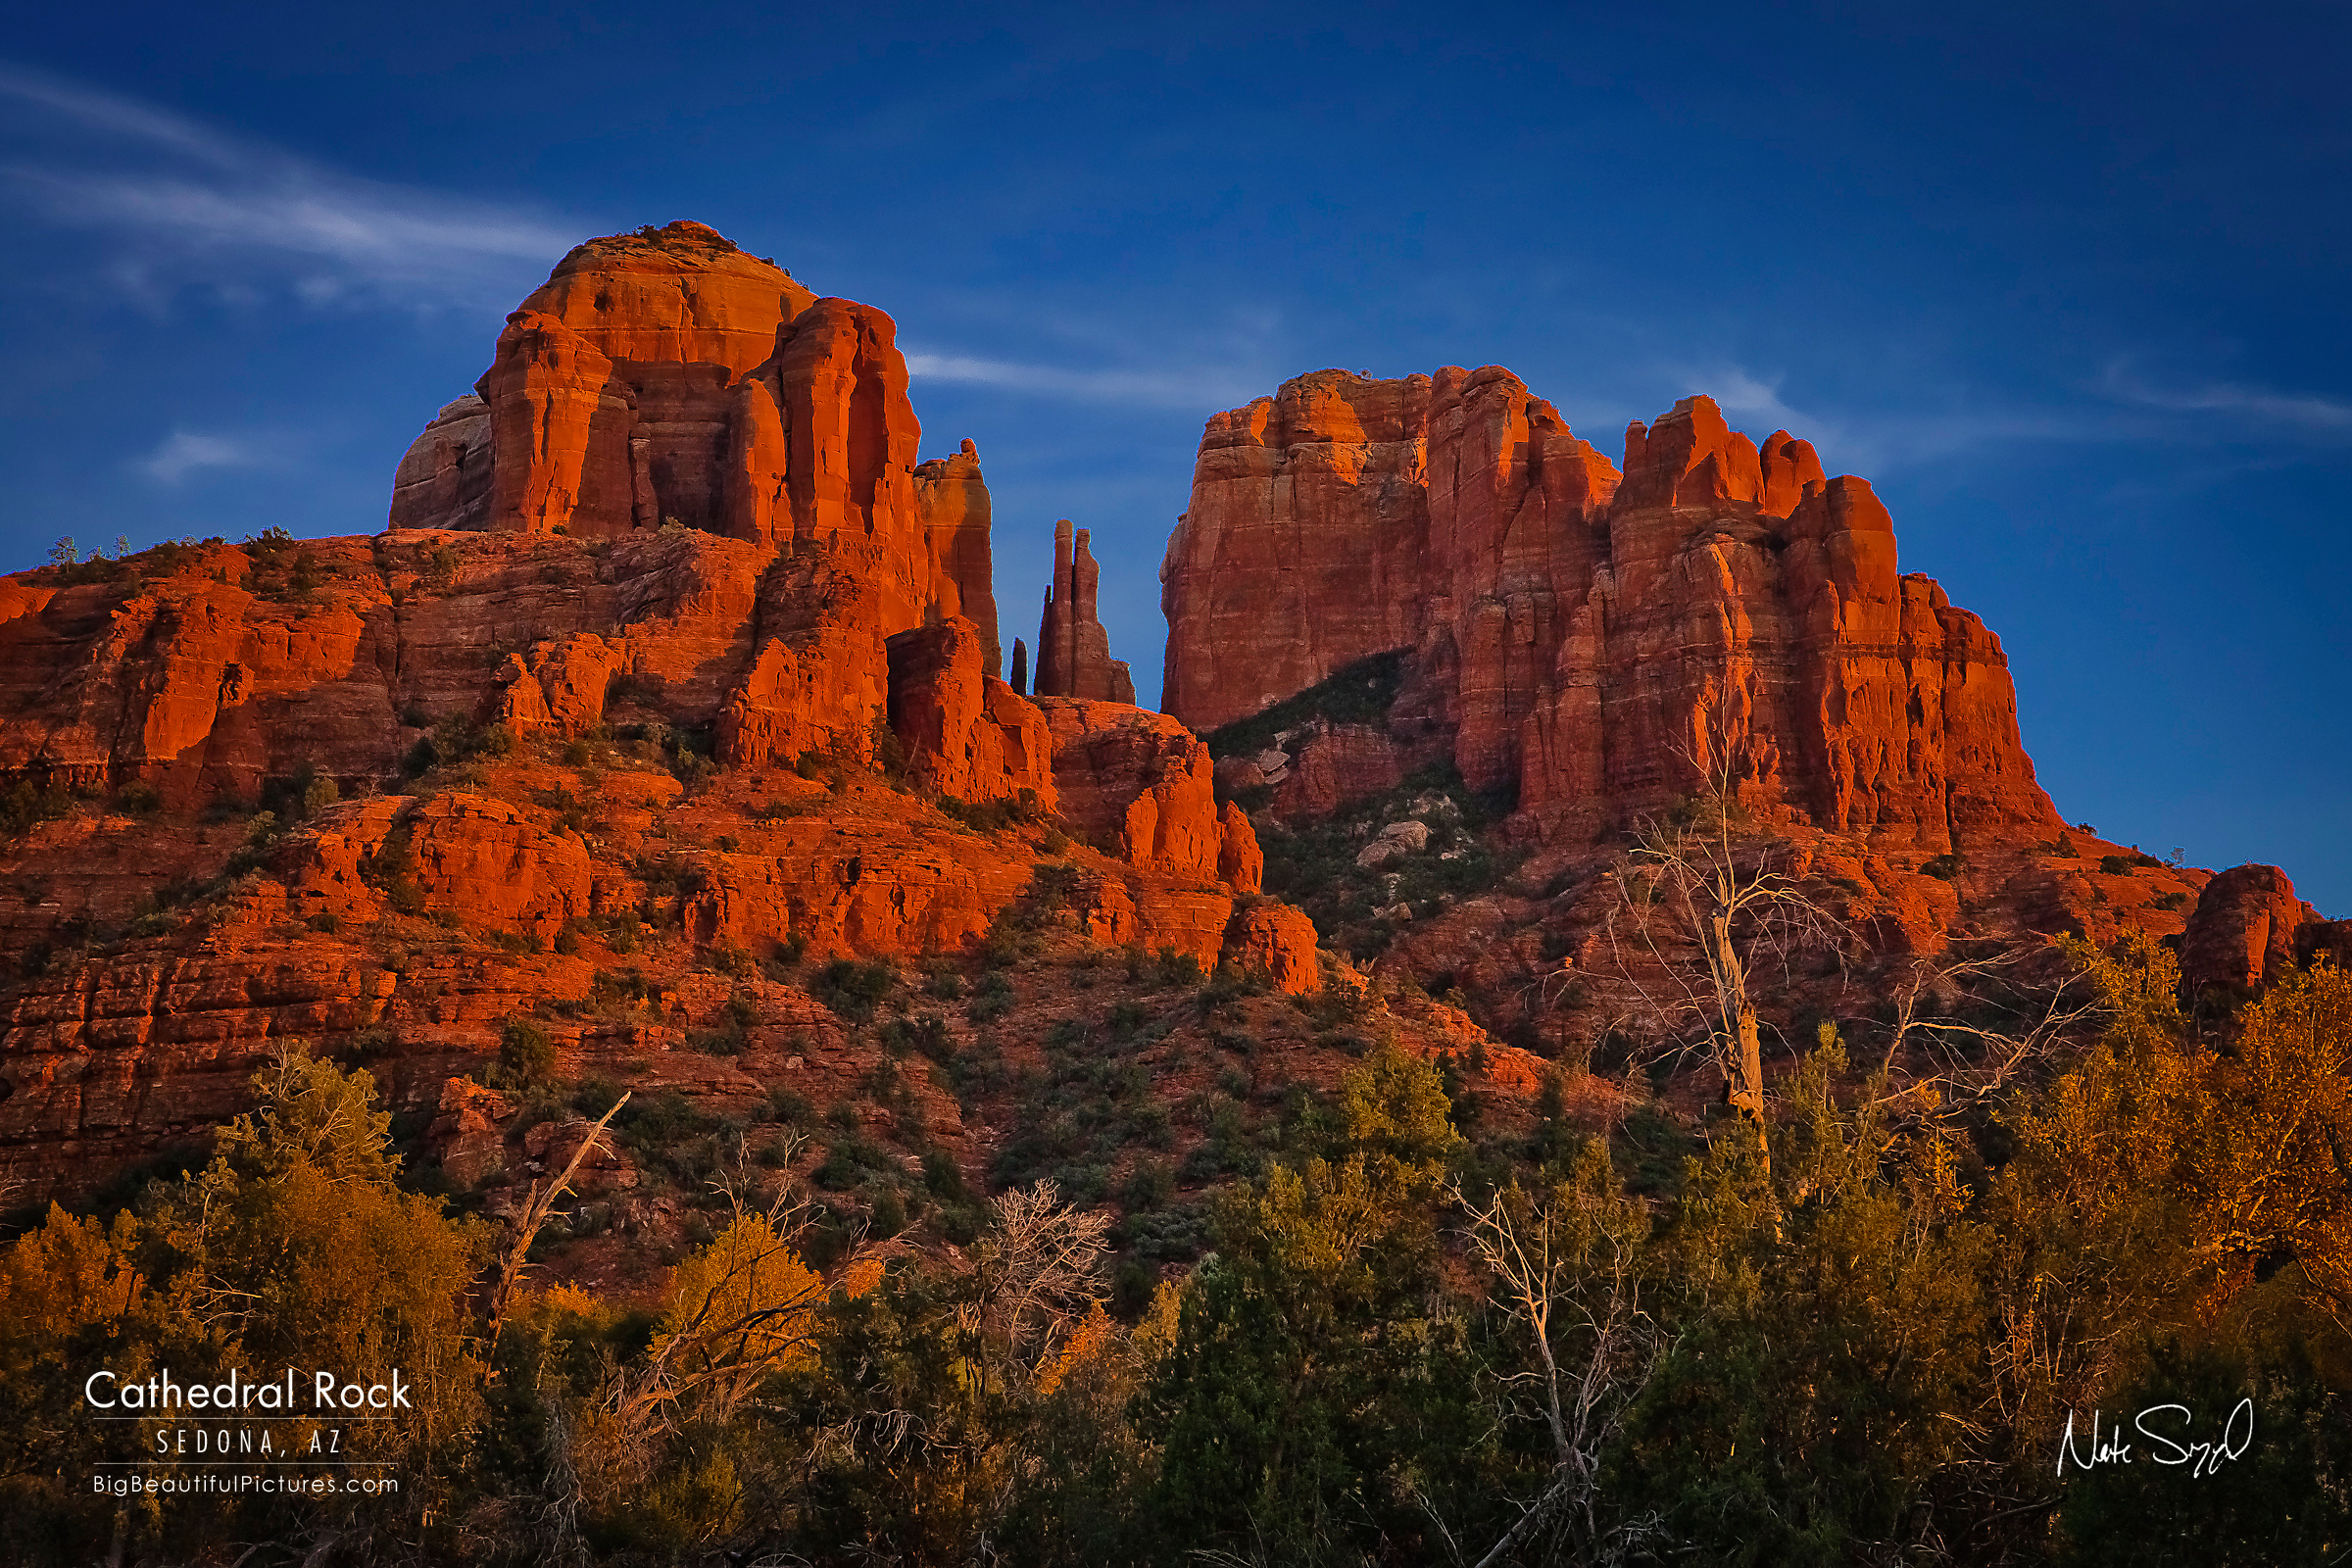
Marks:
<point>1888,439</point>
<point>2284,412</point>
<point>177,200</point>
<point>185,453</point>
<point>1204,389</point>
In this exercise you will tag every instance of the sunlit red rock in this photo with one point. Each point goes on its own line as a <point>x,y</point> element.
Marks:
<point>2243,932</point>
<point>1278,939</point>
<point>678,294</point>
<point>963,732</point>
<point>645,750</point>
<point>1140,785</point>
<point>664,377</point>
<point>1594,648</point>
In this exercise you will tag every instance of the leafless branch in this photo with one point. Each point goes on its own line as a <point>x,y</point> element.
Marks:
<point>1567,1264</point>
<point>1943,1066</point>
<point>537,1208</point>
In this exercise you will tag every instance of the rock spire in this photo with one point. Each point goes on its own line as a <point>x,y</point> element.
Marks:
<point>1073,651</point>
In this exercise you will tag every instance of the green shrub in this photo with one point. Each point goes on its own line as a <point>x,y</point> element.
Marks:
<point>943,1178</point>
<point>852,990</point>
<point>30,805</point>
<point>526,1057</point>
<point>927,1036</point>
<point>1360,693</point>
<point>594,1095</point>
<point>991,1000</point>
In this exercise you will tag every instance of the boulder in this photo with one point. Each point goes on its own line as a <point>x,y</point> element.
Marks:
<point>2243,933</point>
<point>1278,939</point>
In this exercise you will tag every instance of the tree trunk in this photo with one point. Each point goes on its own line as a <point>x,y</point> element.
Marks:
<point>1743,1051</point>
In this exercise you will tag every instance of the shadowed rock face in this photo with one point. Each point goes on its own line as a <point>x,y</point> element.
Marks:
<point>1598,642</point>
<point>2246,930</point>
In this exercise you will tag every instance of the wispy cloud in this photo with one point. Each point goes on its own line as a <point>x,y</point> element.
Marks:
<point>2298,412</point>
<point>183,202</point>
<point>1738,392</point>
<point>1206,389</point>
<point>1920,430</point>
<point>184,452</point>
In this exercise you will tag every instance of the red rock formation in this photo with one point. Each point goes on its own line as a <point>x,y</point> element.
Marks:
<point>485,860</point>
<point>1139,785</point>
<point>443,481</point>
<point>1241,863</point>
<point>1073,651</point>
<point>1336,764</point>
<point>953,502</point>
<point>529,694</point>
<point>2242,935</point>
<point>964,732</point>
<point>681,294</point>
<point>1597,645</point>
<point>1279,939</point>
<point>664,376</point>
<point>552,397</point>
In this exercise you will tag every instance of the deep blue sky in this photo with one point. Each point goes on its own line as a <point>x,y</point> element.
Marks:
<point>2069,290</point>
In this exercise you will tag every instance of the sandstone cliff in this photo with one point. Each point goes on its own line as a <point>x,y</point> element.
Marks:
<point>1593,642</point>
<point>664,376</point>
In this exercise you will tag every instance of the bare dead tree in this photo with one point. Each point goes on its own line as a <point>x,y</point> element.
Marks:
<point>1724,890</point>
<point>1941,1066</point>
<point>537,1208</point>
<point>1567,1264</point>
<point>1041,1268</point>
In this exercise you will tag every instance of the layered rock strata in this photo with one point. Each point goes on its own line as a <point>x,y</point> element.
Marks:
<point>1598,641</point>
<point>664,376</point>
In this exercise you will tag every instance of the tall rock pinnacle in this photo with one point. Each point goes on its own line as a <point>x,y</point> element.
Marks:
<point>1073,651</point>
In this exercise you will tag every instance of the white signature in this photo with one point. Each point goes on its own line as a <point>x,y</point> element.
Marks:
<point>2203,1458</point>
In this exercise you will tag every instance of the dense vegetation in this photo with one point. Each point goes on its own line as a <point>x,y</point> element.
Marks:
<point>1402,1348</point>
